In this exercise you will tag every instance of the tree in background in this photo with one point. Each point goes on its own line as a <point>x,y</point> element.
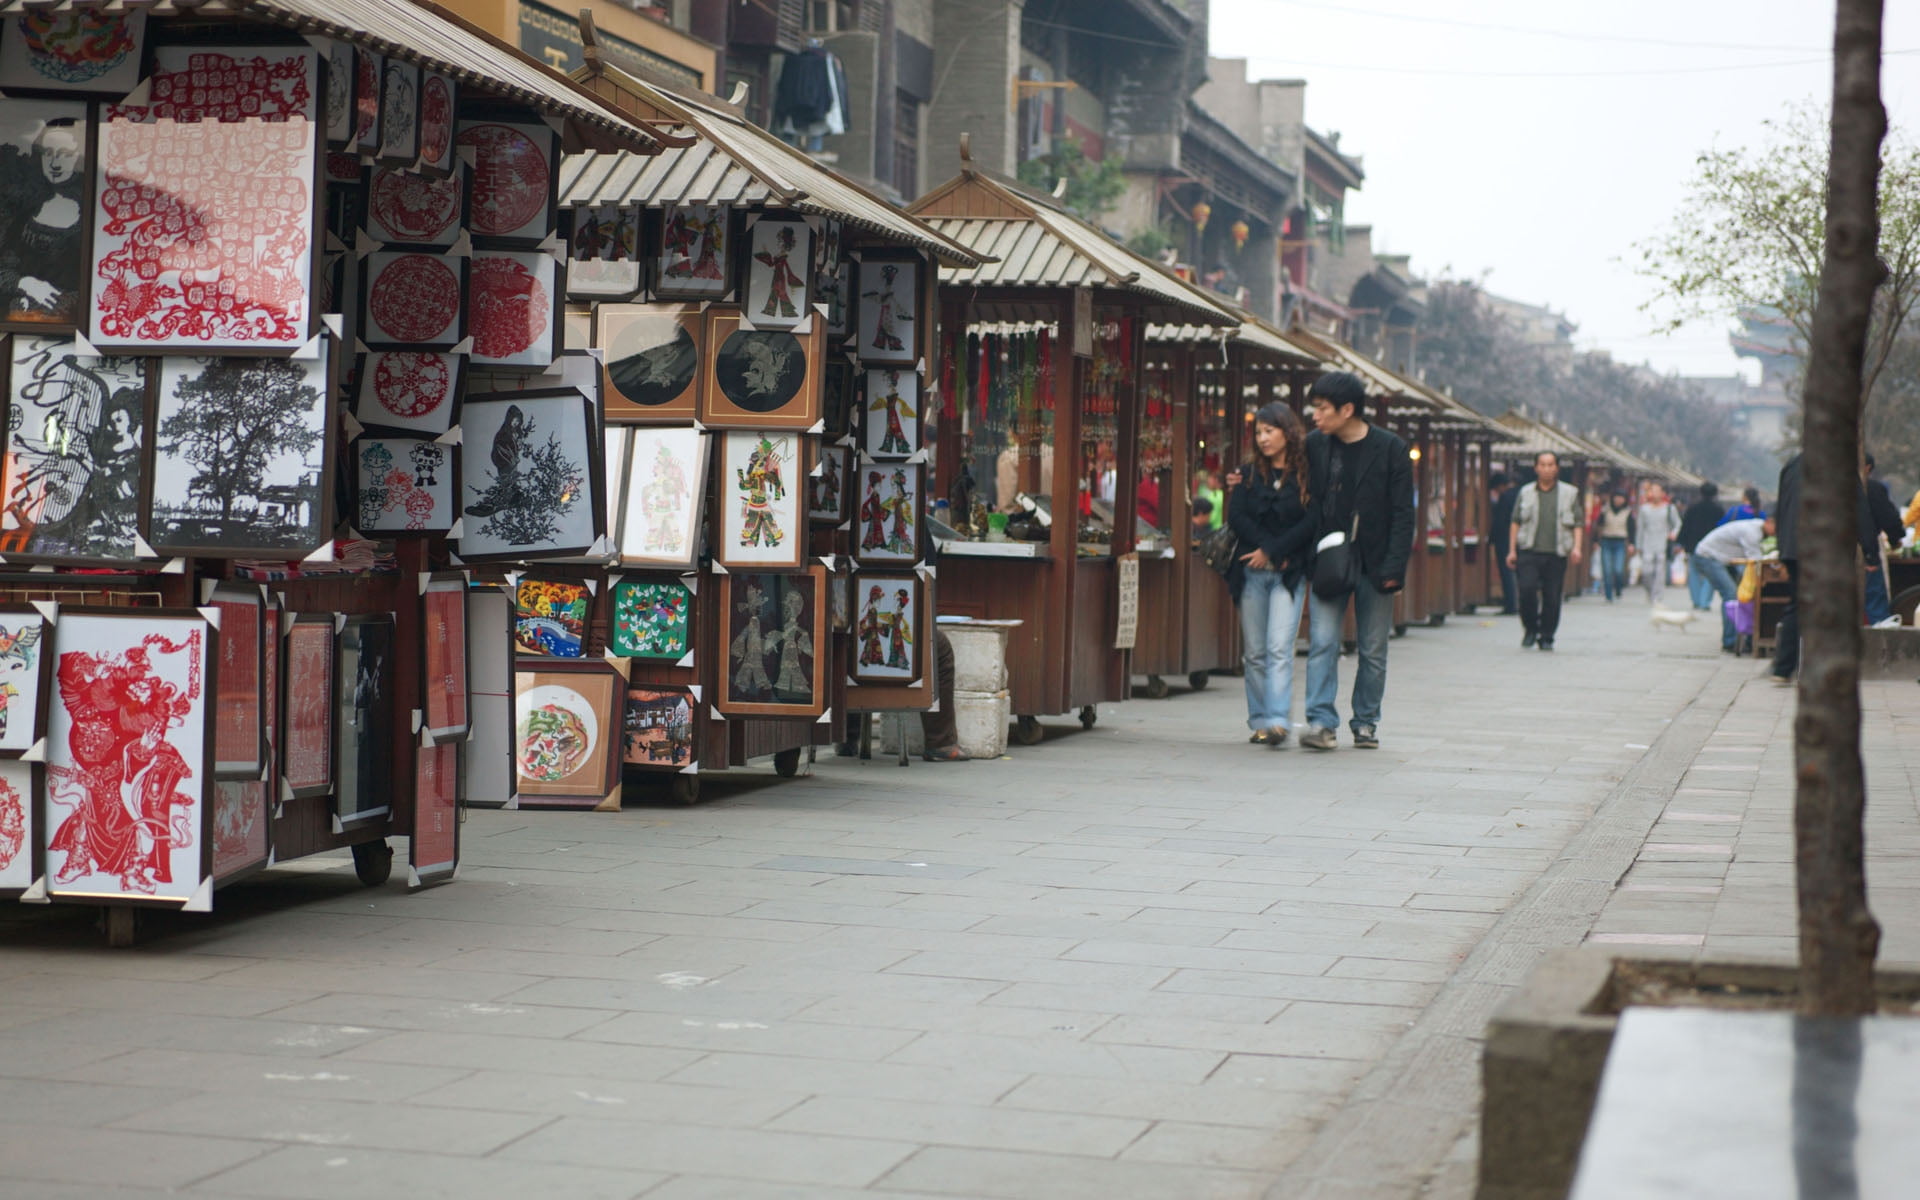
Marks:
<point>1092,187</point>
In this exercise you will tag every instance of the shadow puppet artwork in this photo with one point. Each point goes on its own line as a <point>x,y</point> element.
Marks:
<point>887,637</point>
<point>892,427</point>
<point>777,292</point>
<point>889,312</point>
<point>666,490</point>
<point>888,521</point>
<point>774,663</point>
<point>762,519</point>
<point>74,447</point>
<point>43,207</point>
<point>696,253</point>
<point>659,727</point>
<point>761,378</point>
<point>653,360</point>
<point>526,479</point>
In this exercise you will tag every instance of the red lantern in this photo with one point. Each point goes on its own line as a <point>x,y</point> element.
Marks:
<point>1201,212</point>
<point>1240,230</point>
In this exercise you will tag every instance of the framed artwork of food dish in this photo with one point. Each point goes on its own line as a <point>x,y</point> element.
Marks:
<point>74,460</point>
<point>407,208</point>
<point>666,492</point>
<point>446,697</point>
<point>409,391</point>
<point>890,425</point>
<point>47,145</point>
<point>774,659</point>
<point>515,174</point>
<point>530,483</point>
<point>652,357</point>
<point>779,271</point>
<point>413,299</point>
<point>399,113</point>
<point>26,672</point>
<point>760,378</point>
<point>828,487</point>
<point>652,618</point>
<point>888,314</point>
<point>22,801</point>
<point>404,485</point>
<point>80,50</point>
<point>363,719</point>
<point>550,617</point>
<point>239,706</point>
<point>438,96</point>
<point>694,260</point>
<point>567,732</point>
<point>306,705</point>
<point>658,728</point>
<point>762,497</point>
<point>513,308</point>
<point>887,524</point>
<point>889,632</point>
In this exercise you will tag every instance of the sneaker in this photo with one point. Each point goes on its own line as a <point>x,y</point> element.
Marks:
<point>1364,738</point>
<point>947,754</point>
<point>1319,737</point>
<point>1526,643</point>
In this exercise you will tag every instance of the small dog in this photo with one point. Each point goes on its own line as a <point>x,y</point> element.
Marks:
<point>1666,617</point>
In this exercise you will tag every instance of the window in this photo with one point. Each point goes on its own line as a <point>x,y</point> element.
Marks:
<point>831,16</point>
<point>906,145</point>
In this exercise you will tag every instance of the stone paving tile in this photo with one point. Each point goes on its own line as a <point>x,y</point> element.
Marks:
<point>1011,1175</point>
<point>679,1148</point>
<point>355,1123</point>
<point>330,1172</point>
<point>84,1154</point>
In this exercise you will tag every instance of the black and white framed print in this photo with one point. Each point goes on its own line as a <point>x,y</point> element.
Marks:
<point>45,157</point>
<point>413,390</point>
<point>888,521</point>
<point>652,356</point>
<point>412,299</point>
<point>529,477</point>
<point>74,455</point>
<point>889,310</point>
<point>890,428</point>
<point>340,114</point>
<point>513,308</point>
<point>81,49</point>
<point>399,113</point>
<point>695,260</point>
<point>404,485</point>
<point>779,267</point>
<point>407,208</point>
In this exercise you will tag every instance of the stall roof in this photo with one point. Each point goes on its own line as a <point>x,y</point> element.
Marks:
<point>1535,435</point>
<point>1252,333</point>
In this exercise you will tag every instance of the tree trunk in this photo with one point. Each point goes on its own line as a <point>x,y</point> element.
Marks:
<point>1838,935</point>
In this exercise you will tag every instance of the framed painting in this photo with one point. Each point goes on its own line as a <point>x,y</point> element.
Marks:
<point>79,50</point>
<point>617,460</point>
<point>414,391</point>
<point>21,788</point>
<point>340,115</point>
<point>839,383</point>
<point>240,463</point>
<point>203,219</point>
<point>438,97</point>
<point>130,686</point>
<point>75,455</point>
<point>779,267</point>
<point>652,618</point>
<point>530,482</point>
<point>515,172</point>
<point>774,659</point>
<point>45,153</point>
<point>399,113</point>
<point>404,485</point>
<point>889,635</point>
<point>486,758</point>
<point>666,498</point>
<point>695,259</point>
<point>888,523</point>
<point>513,307</point>
<point>369,69</point>
<point>888,315</point>
<point>407,208</point>
<point>652,354</point>
<point>657,728</point>
<point>830,277</point>
<point>412,299</point>
<point>828,486</point>
<point>890,420</point>
<point>446,705</point>
<point>26,667</point>
<point>566,736</point>
<point>763,522</point>
<point>363,719</point>
<point>239,704</point>
<point>433,852</point>
<point>550,617</point>
<point>306,707</point>
<point>241,818</point>
<point>760,378</point>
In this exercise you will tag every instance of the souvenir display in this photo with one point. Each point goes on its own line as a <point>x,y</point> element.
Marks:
<point>43,212</point>
<point>513,307</point>
<point>413,390</point>
<point>550,617</point>
<point>773,659</point>
<point>889,632</point>
<point>79,50</point>
<point>74,455</point>
<point>617,443</point>
<point>762,501</point>
<point>20,809</point>
<point>514,174</point>
<point>306,709</point>
<point>399,113</point>
<point>239,704</point>
<point>652,618</point>
<point>240,821</point>
<point>445,702</point>
<point>129,687</point>
<point>340,114</point>
<point>198,186</point>
<point>406,208</point>
<point>840,602</point>
<point>761,378</point>
<point>887,524</point>
<point>363,720</point>
<point>658,727</point>
<point>25,663</point>
<point>778,263</point>
<point>487,774</point>
<point>891,428</point>
<point>404,485</point>
<point>652,357</point>
<point>566,735</point>
<point>437,96</point>
<point>605,260</point>
<point>239,454</point>
<point>434,849</point>
<point>666,481</point>
<point>412,299</point>
<point>830,278</point>
<point>827,487</point>
<point>273,620</point>
<point>696,253</point>
<point>889,311</point>
<point>839,381</point>
<point>368,70</point>
<point>528,483</point>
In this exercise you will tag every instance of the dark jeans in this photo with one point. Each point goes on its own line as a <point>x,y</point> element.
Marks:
<point>1541,576</point>
<point>940,728</point>
<point>1613,567</point>
<point>1879,604</point>
<point>1509,589</point>
<point>1786,635</point>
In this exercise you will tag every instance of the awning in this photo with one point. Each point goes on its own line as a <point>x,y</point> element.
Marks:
<point>1253,334</point>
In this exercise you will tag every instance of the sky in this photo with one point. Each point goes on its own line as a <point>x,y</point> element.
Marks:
<point>1537,143</point>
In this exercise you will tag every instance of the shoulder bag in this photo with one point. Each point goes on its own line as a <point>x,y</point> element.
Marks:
<point>1336,568</point>
<point>1220,549</point>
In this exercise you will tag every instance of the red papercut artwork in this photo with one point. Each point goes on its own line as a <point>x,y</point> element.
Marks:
<point>308,744</point>
<point>435,813</point>
<point>343,168</point>
<point>13,824</point>
<point>366,99</point>
<point>436,121</point>
<point>236,702</point>
<point>414,298</point>
<point>270,684</point>
<point>511,181</point>
<point>408,207</point>
<point>203,222</point>
<point>239,825</point>
<point>446,658</point>
<point>510,307</point>
<point>412,384</point>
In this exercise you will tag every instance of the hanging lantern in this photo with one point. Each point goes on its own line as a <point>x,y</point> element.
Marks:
<point>1240,230</point>
<point>1201,212</point>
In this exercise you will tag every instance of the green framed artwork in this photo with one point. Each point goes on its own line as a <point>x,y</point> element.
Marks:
<point>651,619</point>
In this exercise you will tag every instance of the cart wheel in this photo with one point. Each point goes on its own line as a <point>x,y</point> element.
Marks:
<point>684,790</point>
<point>1027,731</point>
<point>786,764</point>
<point>373,862</point>
<point>122,924</point>
<point>1156,688</point>
<point>1199,680</point>
<point>1088,716</point>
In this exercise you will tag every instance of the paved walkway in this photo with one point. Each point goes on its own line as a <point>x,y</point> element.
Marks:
<point>1147,960</point>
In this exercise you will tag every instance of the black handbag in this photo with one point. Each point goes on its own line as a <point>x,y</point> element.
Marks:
<point>1220,550</point>
<point>1336,569</point>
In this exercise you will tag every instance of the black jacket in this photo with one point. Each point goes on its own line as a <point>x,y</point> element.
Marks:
<point>1786,511</point>
<point>1269,514</point>
<point>1877,516</point>
<point>1377,484</point>
<point>1502,531</point>
<point>1701,517</point>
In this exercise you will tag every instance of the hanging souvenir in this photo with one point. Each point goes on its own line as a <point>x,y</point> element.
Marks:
<point>513,307</point>
<point>437,103</point>
<point>399,114</point>
<point>658,730</point>
<point>403,485</point>
<point>889,634</point>
<point>762,501</point>
<point>695,258</point>
<point>887,523</point>
<point>413,390</point>
<point>550,617</point>
<point>412,299</point>
<point>665,499</point>
<point>363,720</point>
<point>761,378</point>
<point>529,485</point>
<point>567,735</point>
<point>515,168</point>
<point>652,618</point>
<point>779,263</point>
<point>652,357</point>
<point>889,310</point>
<point>407,208</point>
<point>44,228</point>
<point>828,488</point>
<point>74,455</point>
<point>891,428</point>
<point>774,658</point>
<point>78,50</point>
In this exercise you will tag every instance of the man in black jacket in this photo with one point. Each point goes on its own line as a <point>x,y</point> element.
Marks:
<point>1786,520</point>
<point>1699,520</point>
<point>1361,476</point>
<point>1501,535</point>
<point>1878,515</point>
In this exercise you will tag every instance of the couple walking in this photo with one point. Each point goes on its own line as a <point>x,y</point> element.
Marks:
<point>1348,481</point>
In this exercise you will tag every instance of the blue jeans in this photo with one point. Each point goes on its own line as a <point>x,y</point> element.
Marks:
<point>1879,605</point>
<point>1718,577</point>
<point>1698,589</point>
<point>1269,623</point>
<point>1373,624</point>
<point>1613,566</point>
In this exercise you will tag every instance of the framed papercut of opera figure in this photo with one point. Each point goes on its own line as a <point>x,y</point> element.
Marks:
<point>774,659</point>
<point>887,524</point>
<point>666,485</point>
<point>888,321</point>
<point>779,267</point>
<point>891,425</point>
<point>889,630</point>
<point>762,497</point>
<point>695,258</point>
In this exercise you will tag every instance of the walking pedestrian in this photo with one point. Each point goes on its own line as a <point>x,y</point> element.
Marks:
<point>1877,516</point>
<point>1547,529</point>
<point>1362,479</point>
<point>1656,526</point>
<point>1700,518</point>
<point>1273,519</point>
<point>1714,558</point>
<point>1504,494</point>
<point>1613,530</point>
<point>1786,520</point>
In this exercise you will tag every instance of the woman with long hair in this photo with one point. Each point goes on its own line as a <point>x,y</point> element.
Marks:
<point>1273,518</point>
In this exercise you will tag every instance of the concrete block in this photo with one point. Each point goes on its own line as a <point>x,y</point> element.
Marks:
<point>982,722</point>
<point>979,657</point>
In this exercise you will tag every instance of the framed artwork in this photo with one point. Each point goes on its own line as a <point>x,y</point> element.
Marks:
<point>417,391</point>
<point>306,707</point>
<point>576,369</point>
<point>404,485</point>
<point>652,356</point>
<point>652,618</point>
<point>75,455</point>
<point>407,208</point>
<point>434,850</point>
<point>26,667</point>
<point>890,424</point>
<point>773,662</point>
<point>238,457</point>
<point>412,299</point>
<point>890,632</point>
<point>840,602</point>
<point>827,488</point>
<point>760,378</point>
<point>695,261</point>
<point>830,277</point>
<point>438,94</point>
<point>130,687</point>
<point>550,617</point>
<point>241,817</point>
<point>887,525</point>
<point>399,113</point>
<point>363,719</point>
<point>45,153</point>
<point>82,50</point>
<point>486,758</point>
<point>340,115</point>
<point>203,205</point>
<point>515,171</point>
<point>239,705</point>
<point>566,731</point>
<point>779,265</point>
<point>445,702</point>
<point>369,69</point>
<point>666,498</point>
<point>529,485</point>
<point>605,260</point>
<point>20,807</point>
<point>600,279</point>
<point>888,323</point>
<point>273,620</point>
<point>513,307</point>
<point>657,728</point>
<point>617,461</point>
<point>762,495</point>
<point>839,381</point>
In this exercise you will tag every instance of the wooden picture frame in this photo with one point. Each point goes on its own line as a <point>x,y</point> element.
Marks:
<point>26,680</point>
<point>339,114</point>
<point>890,414</point>
<point>363,718</point>
<point>439,102</point>
<point>76,51</point>
<point>54,140</point>
<point>762,523</point>
<point>551,617</point>
<point>887,319</point>
<point>650,617</point>
<point>404,486</point>
<point>306,707</point>
<point>22,839</point>
<point>433,850</point>
<point>830,487</point>
<point>409,391</point>
<point>514,308</point>
<point>889,650</point>
<point>760,378</point>
<point>774,653</point>
<point>567,732</point>
<point>408,208</point>
<point>665,499</point>
<point>889,524</point>
<point>692,258</point>
<point>654,361</point>
<point>778,295</point>
<point>399,114</point>
<point>659,728</point>
<point>523,495</point>
<point>239,706</point>
<point>516,175</point>
<point>413,300</point>
<point>242,828</point>
<point>446,701</point>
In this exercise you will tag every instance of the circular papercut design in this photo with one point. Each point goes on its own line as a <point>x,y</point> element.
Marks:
<point>556,733</point>
<point>76,47</point>
<point>652,361</point>
<point>13,824</point>
<point>510,307</point>
<point>415,298</point>
<point>760,370</point>
<point>436,119</point>
<point>510,178</point>
<point>414,208</point>
<point>411,385</point>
